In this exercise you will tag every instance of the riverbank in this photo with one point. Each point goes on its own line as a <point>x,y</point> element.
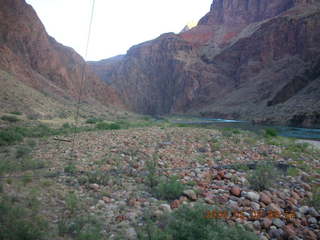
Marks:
<point>313,143</point>
<point>127,179</point>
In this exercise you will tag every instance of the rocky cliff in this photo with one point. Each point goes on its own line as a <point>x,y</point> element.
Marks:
<point>248,59</point>
<point>35,59</point>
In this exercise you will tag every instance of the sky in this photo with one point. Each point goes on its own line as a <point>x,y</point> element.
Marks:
<point>117,24</point>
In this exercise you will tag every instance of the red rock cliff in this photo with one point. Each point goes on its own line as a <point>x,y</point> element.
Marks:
<point>249,59</point>
<point>28,52</point>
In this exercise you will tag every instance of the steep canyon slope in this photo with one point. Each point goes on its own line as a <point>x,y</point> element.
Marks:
<point>38,74</point>
<point>247,59</point>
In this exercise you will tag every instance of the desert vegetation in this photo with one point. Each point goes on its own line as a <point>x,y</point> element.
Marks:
<point>151,179</point>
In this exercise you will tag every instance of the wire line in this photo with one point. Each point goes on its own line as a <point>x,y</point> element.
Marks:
<point>83,78</point>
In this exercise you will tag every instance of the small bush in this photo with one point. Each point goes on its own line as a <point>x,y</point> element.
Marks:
<point>293,172</point>
<point>108,126</point>
<point>10,136</point>
<point>18,222</point>
<point>63,115</point>
<point>16,113</point>
<point>152,178</point>
<point>70,168</point>
<point>270,132</point>
<point>31,143</point>
<point>190,223</point>
<point>263,176</point>
<point>10,118</point>
<point>314,201</point>
<point>26,179</point>
<point>298,147</point>
<point>72,202</point>
<point>170,189</point>
<point>93,120</point>
<point>81,228</point>
<point>66,125</point>
<point>23,151</point>
<point>33,116</point>
<point>98,177</point>
<point>182,125</point>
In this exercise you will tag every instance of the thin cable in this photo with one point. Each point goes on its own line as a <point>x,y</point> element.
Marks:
<point>76,118</point>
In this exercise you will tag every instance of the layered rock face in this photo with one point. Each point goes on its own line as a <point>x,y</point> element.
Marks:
<point>249,59</point>
<point>36,59</point>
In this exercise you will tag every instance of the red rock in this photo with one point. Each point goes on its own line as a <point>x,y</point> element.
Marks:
<point>221,174</point>
<point>266,223</point>
<point>236,191</point>
<point>304,221</point>
<point>132,202</point>
<point>264,198</point>
<point>175,204</point>
<point>309,235</point>
<point>273,208</point>
<point>39,61</point>
<point>218,178</point>
<point>181,76</point>
<point>306,186</point>
<point>289,231</point>
<point>295,195</point>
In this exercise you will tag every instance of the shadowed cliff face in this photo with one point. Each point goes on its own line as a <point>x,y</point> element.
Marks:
<point>39,61</point>
<point>245,59</point>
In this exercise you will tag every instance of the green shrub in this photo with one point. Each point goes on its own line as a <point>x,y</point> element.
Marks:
<point>93,120</point>
<point>190,223</point>
<point>31,143</point>
<point>10,118</point>
<point>98,177</point>
<point>16,113</point>
<point>270,132</point>
<point>152,178</point>
<point>263,176</point>
<point>20,164</point>
<point>293,172</point>
<point>66,125</point>
<point>63,115</point>
<point>81,228</point>
<point>10,136</point>
<point>182,125</point>
<point>26,179</point>
<point>23,151</point>
<point>298,147</point>
<point>72,202</point>
<point>170,189</point>
<point>108,126</point>
<point>40,131</point>
<point>33,116</point>
<point>314,201</point>
<point>228,132</point>
<point>18,222</point>
<point>70,168</point>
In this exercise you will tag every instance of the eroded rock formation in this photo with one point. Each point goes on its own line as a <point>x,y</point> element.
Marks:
<point>253,59</point>
<point>36,59</point>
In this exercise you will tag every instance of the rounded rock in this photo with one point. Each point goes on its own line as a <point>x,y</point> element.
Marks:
<point>236,191</point>
<point>253,196</point>
<point>190,194</point>
<point>277,222</point>
<point>165,208</point>
<point>265,198</point>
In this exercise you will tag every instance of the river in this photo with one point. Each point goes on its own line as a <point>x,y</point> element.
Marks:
<point>285,131</point>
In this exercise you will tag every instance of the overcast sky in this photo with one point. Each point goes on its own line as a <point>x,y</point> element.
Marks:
<point>117,24</point>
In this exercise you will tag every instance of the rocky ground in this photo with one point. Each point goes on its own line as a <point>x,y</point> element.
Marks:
<point>106,177</point>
